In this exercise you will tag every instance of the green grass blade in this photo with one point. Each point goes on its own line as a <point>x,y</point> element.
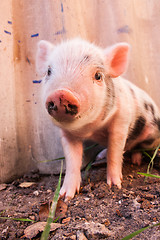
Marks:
<point>18,219</point>
<point>150,165</point>
<point>92,146</point>
<point>55,220</point>
<point>2,212</point>
<point>46,231</point>
<point>148,175</point>
<point>145,153</point>
<point>87,169</point>
<point>139,231</point>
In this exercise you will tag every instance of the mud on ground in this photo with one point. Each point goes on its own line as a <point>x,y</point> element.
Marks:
<point>97,212</point>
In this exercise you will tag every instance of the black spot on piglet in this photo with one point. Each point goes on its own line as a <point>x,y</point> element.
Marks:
<point>152,109</point>
<point>138,128</point>
<point>149,107</point>
<point>146,106</point>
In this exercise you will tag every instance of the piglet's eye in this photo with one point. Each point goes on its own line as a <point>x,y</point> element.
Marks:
<point>98,76</point>
<point>49,72</point>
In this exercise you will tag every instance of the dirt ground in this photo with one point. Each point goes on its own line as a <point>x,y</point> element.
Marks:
<point>97,212</point>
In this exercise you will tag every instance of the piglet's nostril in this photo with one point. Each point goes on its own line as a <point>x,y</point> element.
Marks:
<point>52,107</point>
<point>71,109</point>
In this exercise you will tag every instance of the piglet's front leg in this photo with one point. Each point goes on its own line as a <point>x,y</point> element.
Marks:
<point>73,150</point>
<point>116,144</point>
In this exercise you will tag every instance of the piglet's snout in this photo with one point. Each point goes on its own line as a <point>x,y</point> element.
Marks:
<point>63,105</point>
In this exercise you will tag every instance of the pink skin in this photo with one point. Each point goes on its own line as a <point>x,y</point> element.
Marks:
<point>87,108</point>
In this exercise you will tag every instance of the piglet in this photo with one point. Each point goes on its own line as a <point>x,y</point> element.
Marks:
<point>87,99</point>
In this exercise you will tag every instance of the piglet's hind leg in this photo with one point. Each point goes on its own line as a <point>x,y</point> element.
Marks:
<point>136,158</point>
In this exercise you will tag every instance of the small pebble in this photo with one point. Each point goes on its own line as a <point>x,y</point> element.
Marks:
<point>36,193</point>
<point>49,191</point>
<point>66,220</point>
<point>32,218</point>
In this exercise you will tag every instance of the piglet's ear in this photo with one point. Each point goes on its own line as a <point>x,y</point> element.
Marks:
<point>117,59</point>
<point>44,49</point>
